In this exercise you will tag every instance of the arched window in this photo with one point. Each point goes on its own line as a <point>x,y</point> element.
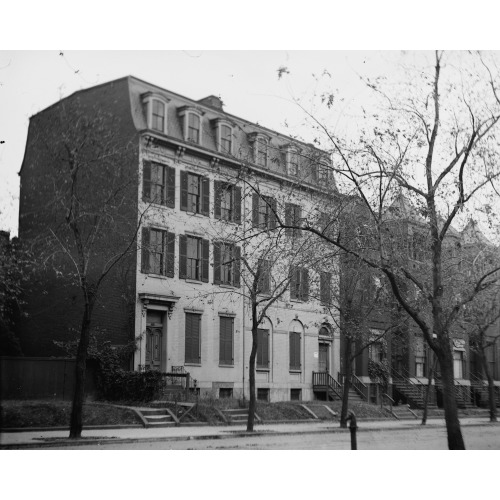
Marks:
<point>156,111</point>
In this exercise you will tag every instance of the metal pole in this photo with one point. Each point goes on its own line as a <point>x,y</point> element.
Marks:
<point>353,428</point>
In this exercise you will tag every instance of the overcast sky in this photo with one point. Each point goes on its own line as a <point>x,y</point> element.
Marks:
<point>247,82</point>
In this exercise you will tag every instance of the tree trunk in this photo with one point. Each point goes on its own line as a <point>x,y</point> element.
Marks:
<point>455,439</point>
<point>491,389</point>
<point>428,390</point>
<point>346,383</point>
<point>76,423</point>
<point>251,368</point>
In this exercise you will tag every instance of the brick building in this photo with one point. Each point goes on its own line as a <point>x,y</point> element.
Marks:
<point>204,188</point>
<point>468,255</point>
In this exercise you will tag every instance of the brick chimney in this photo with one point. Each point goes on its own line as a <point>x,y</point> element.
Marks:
<point>212,101</point>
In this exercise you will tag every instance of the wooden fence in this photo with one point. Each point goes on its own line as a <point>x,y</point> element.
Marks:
<point>41,378</point>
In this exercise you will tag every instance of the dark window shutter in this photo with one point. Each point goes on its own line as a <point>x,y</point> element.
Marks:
<point>293,283</point>
<point>146,181</point>
<point>170,253</point>
<point>188,344</point>
<point>265,348</point>
<point>304,285</point>
<point>288,218</point>
<point>184,190</point>
<point>193,338</point>
<point>222,340</point>
<point>295,350</point>
<point>272,215</point>
<point>237,204</point>
<point>205,260</point>
<point>298,221</point>
<point>226,341</point>
<point>170,189</point>
<point>198,339</point>
<point>231,345</point>
<point>217,199</point>
<point>237,266</point>
<point>255,210</point>
<point>267,276</point>
<point>217,263</point>
<point>205,196</point>
<point>325,284</point>
<point>145,250</point>
<point>182,256</point>
<point>262,348</point>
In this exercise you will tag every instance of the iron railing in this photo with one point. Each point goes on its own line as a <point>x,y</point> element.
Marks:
<point>324,379</point>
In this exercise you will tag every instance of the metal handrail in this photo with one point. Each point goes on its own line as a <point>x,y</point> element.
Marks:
<point>476,380</point>
<point>406,377</point>
<point>325,379</point>
<point>360,387</point>
<point>391,401</point>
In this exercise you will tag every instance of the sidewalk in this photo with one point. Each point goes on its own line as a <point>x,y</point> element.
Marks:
<point>47,438</point>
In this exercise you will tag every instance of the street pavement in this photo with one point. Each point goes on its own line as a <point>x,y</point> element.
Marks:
<point>59,438</point>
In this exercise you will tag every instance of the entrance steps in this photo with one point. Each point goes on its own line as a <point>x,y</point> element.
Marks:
<point>157,417</point>
<point>237,416</point>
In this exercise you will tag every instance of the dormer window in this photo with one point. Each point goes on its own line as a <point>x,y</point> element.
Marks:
<point>191,123</point>
<point>260,144</point>
<point>158,115</point>
<point>324,168</point>
<point>292,160</point>
<point>224,136</point>
<point>193,132</point>
<point>156,111</point>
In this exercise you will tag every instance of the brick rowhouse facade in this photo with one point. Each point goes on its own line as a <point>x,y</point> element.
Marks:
<point>179,298</point>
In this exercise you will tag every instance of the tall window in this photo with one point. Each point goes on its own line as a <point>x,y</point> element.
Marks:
<point>195,193</point>
<point>193,338</point>
<point>227,202</point>
<point>227,264</point>
<point>264,284</point>
<point>263,212</point>
<point>226,328</point>
<point>420,357</point>
<point>158,252</point>
<point>193,258</point>
<point>193,128</point>
<point>225,139</point>
<point>299,284</point>
<point>295,363</point>
<point>158,115</point>
<point>158,184</point>
<point>293,217</point>
<point>262,348</point>
<point>292,160</point>
<point>260,146</point>
<point>325,288</point>
<point>417,247</point>
<point>458,364</point>
<point>193,261</point>
<point>376,352</point>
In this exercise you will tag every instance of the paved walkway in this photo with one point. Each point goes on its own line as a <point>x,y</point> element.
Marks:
<point>47,438</point>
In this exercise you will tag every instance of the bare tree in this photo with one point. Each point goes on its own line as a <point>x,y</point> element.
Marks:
<point>478,321</point>
<point>432,140</point>
<point>83,162</point>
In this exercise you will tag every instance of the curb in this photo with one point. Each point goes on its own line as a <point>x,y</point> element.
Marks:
<point>229,435</point>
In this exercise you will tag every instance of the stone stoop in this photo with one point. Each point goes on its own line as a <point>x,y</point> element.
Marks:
<point>238,416</point>
<point>157,417</point>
